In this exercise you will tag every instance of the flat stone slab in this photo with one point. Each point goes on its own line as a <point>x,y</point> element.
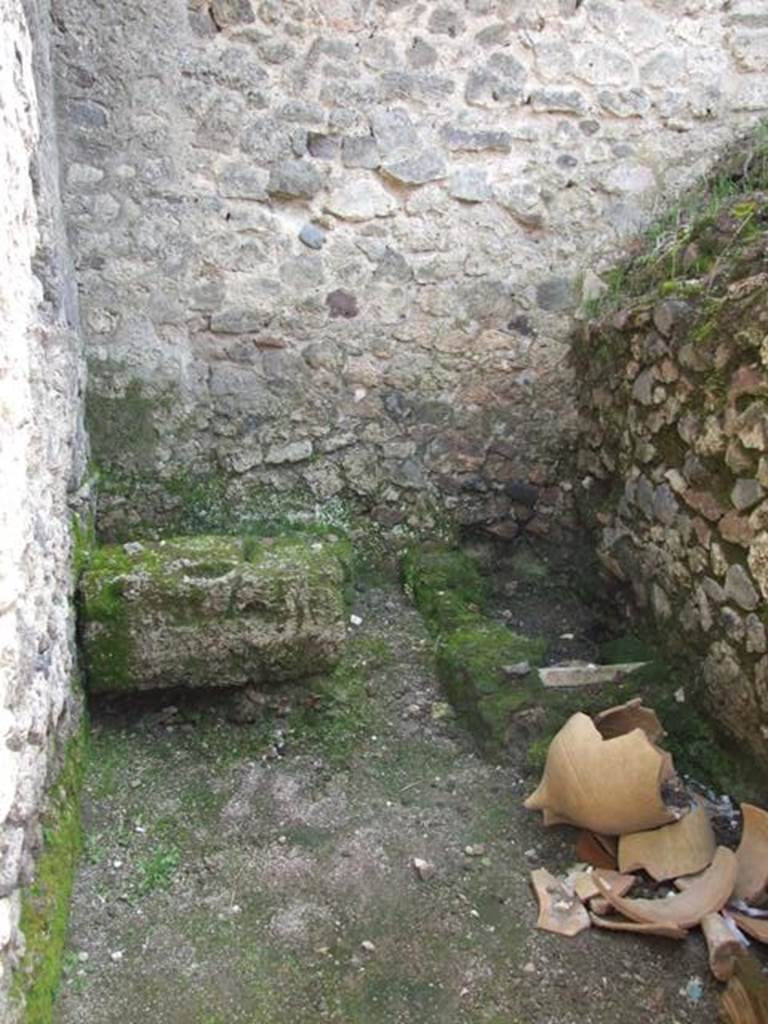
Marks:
<point>587,675</point>
<point>212,611</point>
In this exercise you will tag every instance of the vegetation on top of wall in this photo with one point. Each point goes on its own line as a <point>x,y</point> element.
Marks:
<point>45,903</point>
<point>681,252</point>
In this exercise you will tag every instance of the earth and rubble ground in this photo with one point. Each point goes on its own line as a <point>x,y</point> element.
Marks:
<point>253,872</point>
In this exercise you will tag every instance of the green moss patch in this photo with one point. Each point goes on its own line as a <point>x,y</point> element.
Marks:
<point>445,585</point>
<point>338,714</point>
<point>45,904</point>
<point>472,649</point>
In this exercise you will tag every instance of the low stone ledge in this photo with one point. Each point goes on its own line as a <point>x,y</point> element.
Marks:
<point>212,611</point>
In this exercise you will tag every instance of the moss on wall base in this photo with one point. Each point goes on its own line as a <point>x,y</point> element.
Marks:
<point>45,903</point>
<point>472,649</point>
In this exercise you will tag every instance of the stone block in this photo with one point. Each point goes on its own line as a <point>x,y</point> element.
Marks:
<point>312,236</point>
<point>470,184</point>
<point>740,589</point>
<point>758,562</point>
<point>746,493</point>
<point>486,89</point>
<point>445,20</point>
<point>624,102</point>
<point>294,179</point>
<point>243,181</point>
<point>523,200</point>
<point>361,199</point>
<point>360,151</point>
<point>294,451</point>
<point>415,168</point>
<point>212,611</point>
<point>231,12</point>
<point>475,141</point>
<point>755,630</point>
<point>237,320</point>
<point>393,130</point>
<point>553,100</point>
<point>420,54</point>
<point>556,294</point>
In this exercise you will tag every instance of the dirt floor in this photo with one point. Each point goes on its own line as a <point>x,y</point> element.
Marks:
<point>263,872</point>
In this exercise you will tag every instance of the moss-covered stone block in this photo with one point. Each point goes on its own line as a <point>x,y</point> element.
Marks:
<point>445,585</point>
<point>470,662</point>
<point>212,611</point>
<point>472,649</point>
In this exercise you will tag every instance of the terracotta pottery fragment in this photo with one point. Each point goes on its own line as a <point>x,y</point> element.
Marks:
<point>707,894</point>
<point>559,910</point>
<point>625,717</point>
<point>607,786</point>
<point>723,945</point>
<point>682,848</point>
<point>599,851</point>
<point>617,924</point>
<point>586,889</point>
<point>745,1000</point>
<point>752,855</point>
<point>600,907</point>
<point>686,881</point>
<point>755,927</point>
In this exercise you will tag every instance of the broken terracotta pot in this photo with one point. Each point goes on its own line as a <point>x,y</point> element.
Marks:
<point>755,927</point>
<point>682,848</point>
<point>607,786</point>
<point>752,855</point>
<point>707,894</point>
<point>599,851</point>
<point>723,945</point>
<point>613,924</point>
<point>686,881</point>
<point>559,910</point>
<point>600,907</point>
<point>745,1000</point>
<point>585,887</point>
<point>625,717</point>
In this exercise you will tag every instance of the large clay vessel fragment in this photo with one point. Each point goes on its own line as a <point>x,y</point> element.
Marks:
<point>752,855</point>
<point>709,893</point>
<point>755,927</point>
<point>625,717</point>
<point>745,1000</point>
<point>722,945</point>
<point>608,786</point>
<point>559,910</point>
<point>612,924</point>
<point>682,848</point>
<point>583,883</point>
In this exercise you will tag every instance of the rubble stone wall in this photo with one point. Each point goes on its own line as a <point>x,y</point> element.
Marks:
<point>41,452</point>
<point>331,247</point>
<point>674,423</point>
